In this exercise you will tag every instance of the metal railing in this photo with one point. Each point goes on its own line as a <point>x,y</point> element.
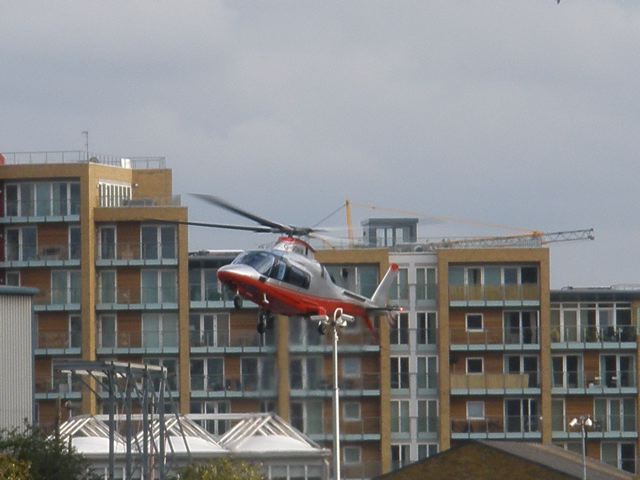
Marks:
<point>226,383</point>
<point>585,334</point>
<point>57,384</point>
<point>124,296</point>
<point>149,339</point>
<point>32,252</point>
<point>236,338</point>
<point>59,296</point>
<point>107,201</point>
<point>508,424</point>
<point>137,251</point>
<point>568,379</point>
<point>42,208</point>
<point>495,381</point>
<point>399,337</point>
<point>82,156</point>
<point>324,426</point>
<point>423,381</point>
<point>367,381</point>
<point>59,340</point>
<point>503,293</point>
<point>611,423</point>
<point>495,336</point>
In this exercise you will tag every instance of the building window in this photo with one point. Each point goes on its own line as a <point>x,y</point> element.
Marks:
<point>158,242</point>
<point>473,322</point>
<point>617,371</point>
<point>203,285</point>
<point>304,332</point>
<point>66,287</point>
<point>567,371</point>
<point>558,422</point>
<point>427,328</point>
<point>108,331</point>
<point>258,373</point>
<point>159,330</point>
<point>351,367</point>
<point>475,365</point>
<point>521,415</point>
<point>361,279</point>
<point>400,456</point>
<point>209,330</point>
<point>399,373</point>
<point>400,416</point>
<point>216,427</point>
<point>351,411</point>
<point>524,365</point>
<point>107,286</point>
<point>426,450</point>
<point>427,372</point>
<point>306,373</point>
<point>207,374</point>
<point>615,414</point>
<point>475,410</point>
<point>425,283</point>
<point>171,364</point>
<point>159,286</point>
<point>619,454</point>
<point>427,416</point>
<point>13,278</point>
<point>74,243</point>
<point>307,416</point>
<point>352,455</point>
<point>114,195</point>
<point>520,327</point>
<point>401,289</point>
<point>21,244</point>
<point>399,334</point>
<point>107,242</point>
<point>75,331</point>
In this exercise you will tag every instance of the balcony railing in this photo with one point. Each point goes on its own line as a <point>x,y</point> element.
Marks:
<point>350,429</point>
<point>132,251</point>
<point>569,336</point>
<point>60,385</point>
<point>108,296</point>
<point>424,381</point>
<point>509,426</point>
<point>363,383</point>
<point>524,293</point>
<point>356,340</point>
<point>80,156</point>
<point>593,381</point>
<point>60,298</point>
<point>41,254</point>
<point>108,201</point>
<point>623,424</point>
<point>59,342</point>
<point>137,341</point>
<point>403,337</point>
<point>223,339</point>
<point>227,385</point>
<point>495,338</point>
<point>494,382</point>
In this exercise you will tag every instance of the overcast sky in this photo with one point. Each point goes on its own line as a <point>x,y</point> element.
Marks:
<point>523,113</point>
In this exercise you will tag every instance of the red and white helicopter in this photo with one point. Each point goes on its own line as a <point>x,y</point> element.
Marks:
<point>288,280</point>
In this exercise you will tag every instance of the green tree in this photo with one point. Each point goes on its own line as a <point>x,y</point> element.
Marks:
<point>222,469</point>
<point>12,469</point>
<point>48,457</point>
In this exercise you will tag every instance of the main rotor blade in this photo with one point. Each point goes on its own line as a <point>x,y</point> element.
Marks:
<point>247,228</point>
<point>232,208</point>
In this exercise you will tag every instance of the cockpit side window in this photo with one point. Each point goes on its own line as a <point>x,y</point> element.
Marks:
<point>296,276</point>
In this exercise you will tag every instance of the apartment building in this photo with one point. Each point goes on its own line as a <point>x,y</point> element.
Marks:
<point>94,236</point>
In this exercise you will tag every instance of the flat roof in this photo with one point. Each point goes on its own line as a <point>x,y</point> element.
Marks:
<point>10,290</point>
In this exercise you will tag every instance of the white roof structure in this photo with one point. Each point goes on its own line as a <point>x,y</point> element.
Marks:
<point>262,438</point>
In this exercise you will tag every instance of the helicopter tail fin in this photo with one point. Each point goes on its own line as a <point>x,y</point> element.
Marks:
<point>382,292</point>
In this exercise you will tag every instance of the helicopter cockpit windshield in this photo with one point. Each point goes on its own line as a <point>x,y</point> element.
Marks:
<point>274,266</point>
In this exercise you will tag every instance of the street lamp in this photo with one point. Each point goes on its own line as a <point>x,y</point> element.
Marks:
<point>340,320</point>
<point>584,421</point>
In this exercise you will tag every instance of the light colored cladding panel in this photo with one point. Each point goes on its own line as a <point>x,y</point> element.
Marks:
<point>16,380</point>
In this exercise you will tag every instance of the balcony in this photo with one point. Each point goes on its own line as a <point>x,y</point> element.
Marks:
<point>58,343</point>
<point>62,387</point>
<point>495,384</point>
<point>496,339</point>
<point>351,430</point>
<point>509,427</point>
<point>407,339</point>
<point>598,338</point>
<point>164,298</point>
<point>525,295</point>
<point>617,426</point>
<point>59,300</point>
<point>237,341</point>
<point>213,298</point>
<point>425,383</point>
<point>137,342</point>
<point>357,341</point>
<point>365,385</point>
<point>136,254</point>
<point>42,256</point>
<point>594,382</point>
<point>229,386</point>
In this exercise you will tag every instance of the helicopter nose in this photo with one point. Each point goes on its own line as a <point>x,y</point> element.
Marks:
<point>231,274</point>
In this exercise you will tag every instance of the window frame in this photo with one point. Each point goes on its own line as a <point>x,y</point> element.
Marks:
<point>467,316</point>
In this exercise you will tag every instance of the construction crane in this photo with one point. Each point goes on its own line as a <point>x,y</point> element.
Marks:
<point>530,239</point>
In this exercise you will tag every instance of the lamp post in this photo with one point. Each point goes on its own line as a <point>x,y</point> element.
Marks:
<point>340,320</point>
<point>584,421</point>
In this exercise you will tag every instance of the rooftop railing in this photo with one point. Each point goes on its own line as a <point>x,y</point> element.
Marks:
<point>587,334</point>
<point>82,156</point>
